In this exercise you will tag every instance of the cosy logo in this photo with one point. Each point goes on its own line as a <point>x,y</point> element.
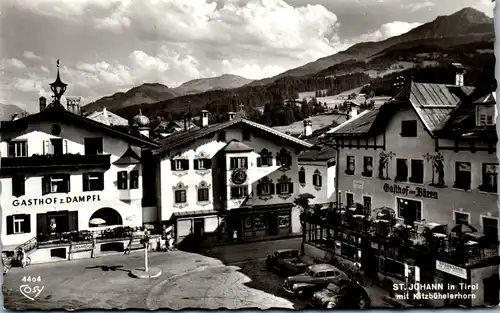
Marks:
<point>31,292</point>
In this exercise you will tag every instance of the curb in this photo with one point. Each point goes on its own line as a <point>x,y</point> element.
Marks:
<point>291,236</point>
<point>396,303</point>
<point>153,272</point>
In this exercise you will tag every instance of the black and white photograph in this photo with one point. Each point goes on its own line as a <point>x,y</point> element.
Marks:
<point>248,154</point>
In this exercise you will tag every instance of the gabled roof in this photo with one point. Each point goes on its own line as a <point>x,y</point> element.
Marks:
<point>181,138</point>
<point>56,113</point>
<point>236,146</point>
<point>358,125</point>
<point>324,153</point>
<point>128,158</point>
<point>108,118</point>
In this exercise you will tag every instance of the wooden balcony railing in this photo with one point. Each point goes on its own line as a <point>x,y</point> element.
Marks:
<point>38,163</point>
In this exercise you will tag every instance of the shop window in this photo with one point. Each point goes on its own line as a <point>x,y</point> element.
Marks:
<point>179,165</point>
<point>122,180</point>
<point>248,222</point>
<point>463,175</point>
<point>265,158</point>
<point>490,229</point>
<point>367,204</point>
<point>351,165</point>
<point>18,185</point>
<point>202,194</point>
<point>93,181</point>
<point>56,184</point>
<point>417,171</point>
<point>259,222</point>
<point>238,163</point>
<point>409,128</point>
<point>409,210</point>
<point>202,164</point>
<point>18,148</point>
<point>134,179</point>
<point>401,170</point>
<point>349,197</point>
<point>18,224</point>
<point>317,179</point>
<point>367,166</point>
<point>265,187</point>
<point>461,218</point>
<point>180,196</point>
<point>284,158</point>
<point>239,192</point>
<point>489,177</point>
<point>93,145</point>
<point>302,176</point>
<point>284,220</point>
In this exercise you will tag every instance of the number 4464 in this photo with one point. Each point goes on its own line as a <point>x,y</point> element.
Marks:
<point>31,279</point>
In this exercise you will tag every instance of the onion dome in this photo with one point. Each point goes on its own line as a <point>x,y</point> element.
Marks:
<point>141,120</point>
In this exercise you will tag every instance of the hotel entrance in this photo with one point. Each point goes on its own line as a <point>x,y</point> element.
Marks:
<point>409,210</point>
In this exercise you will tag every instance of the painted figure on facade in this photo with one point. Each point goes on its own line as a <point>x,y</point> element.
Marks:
<point>383,169</point>
<point>437,168</point>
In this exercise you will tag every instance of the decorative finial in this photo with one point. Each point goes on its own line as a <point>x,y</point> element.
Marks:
<point>57,63</point>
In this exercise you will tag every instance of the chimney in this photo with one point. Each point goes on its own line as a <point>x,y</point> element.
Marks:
<point>307,127</point>
<point>105,112</point>
<point>459,74</point>
<point>204,118</point>
<point>353,112</point>
<point>185,122</point>
<point>15,116</point>
<point>231,115</point>
<point>43,103</point>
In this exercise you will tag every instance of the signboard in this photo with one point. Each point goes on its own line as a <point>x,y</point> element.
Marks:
<point>358,184</point>
<point>56,200</point>
<point>451,269</point>
<point>82,247</point>
<point>407,191</point>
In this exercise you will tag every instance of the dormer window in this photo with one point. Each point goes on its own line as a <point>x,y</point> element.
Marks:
<point>485,115</point>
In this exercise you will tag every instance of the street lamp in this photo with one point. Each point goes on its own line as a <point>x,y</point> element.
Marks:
<point>58,88</point>
<point>145,241</point>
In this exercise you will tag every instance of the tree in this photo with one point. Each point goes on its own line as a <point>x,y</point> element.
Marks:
<point>302,201</point>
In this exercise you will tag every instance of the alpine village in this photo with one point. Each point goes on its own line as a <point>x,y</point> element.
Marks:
<point>388,180</point>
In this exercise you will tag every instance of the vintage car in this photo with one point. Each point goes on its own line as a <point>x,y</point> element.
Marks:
<point>344,294</point>
<point>315,278</point>
<point>288,261</point>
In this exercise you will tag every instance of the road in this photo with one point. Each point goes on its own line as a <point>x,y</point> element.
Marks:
<point>232,277</point>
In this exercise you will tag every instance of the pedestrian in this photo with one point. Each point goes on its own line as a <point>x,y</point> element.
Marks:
<point>235,236</point>
<point>169,241</point>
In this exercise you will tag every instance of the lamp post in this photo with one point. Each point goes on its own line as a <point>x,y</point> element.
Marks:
<point>58,88</point>
<point>145,241</point>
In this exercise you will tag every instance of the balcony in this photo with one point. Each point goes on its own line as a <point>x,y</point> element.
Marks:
<point>39,163</point>
<point>130,194</point>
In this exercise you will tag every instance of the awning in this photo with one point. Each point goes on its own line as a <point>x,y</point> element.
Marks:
<point>197,213</point>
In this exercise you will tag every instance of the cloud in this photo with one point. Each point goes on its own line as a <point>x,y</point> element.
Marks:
<point>30,55</point>
<point>388,30</point>
<point>5,64</point>
<point>412,7</point>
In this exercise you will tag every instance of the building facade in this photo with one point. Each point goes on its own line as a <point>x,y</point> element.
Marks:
<point>233,180</point>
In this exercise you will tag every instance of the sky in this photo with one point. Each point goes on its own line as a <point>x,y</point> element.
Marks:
<point>107,46</point>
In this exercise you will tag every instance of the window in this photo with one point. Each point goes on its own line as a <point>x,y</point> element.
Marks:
<point>18,224</point>
<point>349,197</point>
<point>409,210</point>
<point>221,136</point>
<point>56,146</point>
<point>490,229</point>
<point>490,173</point>
<point>134,179</point>
<point>180,196</point>
<point>417,171</point>
<point>265,158</point>
<point>367,166</point>
<point>401,170</point>
<point>317,179</point>
<point>121,180</point>
<point>265,187</point>
<point>284,158</point>
<point>302,176</point>
<point>93,145</point>
<point>93,181</point>
<point>18,187</point>
<point>284,188</point>
<point>180,165</point>
<point>202,194</point>
<point>463,175</point>
<point>56,183</point>
<point>237,163</point>
<point>18,148</point>
<point>239,192</point>
<point>409,128</point>
<point>246,135</point>
<point>202,164</point>
<point>461,218</point>
<point>351,165</point>
<point>367,203</point>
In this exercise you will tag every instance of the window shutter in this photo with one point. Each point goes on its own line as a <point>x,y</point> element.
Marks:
<point>73,220</point>
<point>10,225</point>
<point>26,226</point>
<point>46,185</point>
<point>185,164</point>
<point>68,183</point>
<point>290,187</point>
<point>195,164</point>
<point>278,188</point>
<point>101,181</point>
<point>320,182</point>
<point>41,223</point>
<point>259,162</point>
<point>259,189</point>
<point>85,181</point>
<point>12,149</point>
<point>46,146</point>
<point>172,165</point>
<point>208,163</point>
<point>271,189</point>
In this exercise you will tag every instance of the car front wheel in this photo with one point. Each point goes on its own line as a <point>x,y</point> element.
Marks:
<point>330,305</point>
<point>362,303</point>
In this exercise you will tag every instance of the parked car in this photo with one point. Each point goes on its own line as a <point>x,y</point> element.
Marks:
<point>345,294</point>
<point>288,261</point>
<point>315,278</point>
